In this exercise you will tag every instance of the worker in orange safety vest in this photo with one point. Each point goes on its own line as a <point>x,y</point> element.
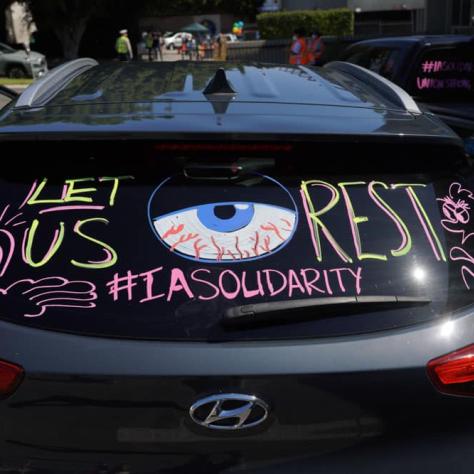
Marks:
<point>298,50</point>
<point>315,49</point>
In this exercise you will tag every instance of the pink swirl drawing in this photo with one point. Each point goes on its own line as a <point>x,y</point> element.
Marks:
<point>31,299</point>
<point>7,239</point>
<point>456,210</point>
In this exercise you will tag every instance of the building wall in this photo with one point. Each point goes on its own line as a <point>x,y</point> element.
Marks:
<point>272,5</point>
<point>381,5</point>
<point>437,16</point>
<point>364,5</point>
<point>312,4</point>
<point>427,16</point>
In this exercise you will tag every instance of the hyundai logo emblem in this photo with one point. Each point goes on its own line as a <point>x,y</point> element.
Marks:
<point>229,411</point>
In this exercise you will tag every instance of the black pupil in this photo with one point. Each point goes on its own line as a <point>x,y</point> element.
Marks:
<point>224,212</point>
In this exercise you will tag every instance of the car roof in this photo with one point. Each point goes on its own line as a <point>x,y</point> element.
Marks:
<point>418,39</point>
<point>140,97</point>
<point>185,82</point>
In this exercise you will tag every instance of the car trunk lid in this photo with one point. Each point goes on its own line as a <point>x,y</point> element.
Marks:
<point>167,239</point>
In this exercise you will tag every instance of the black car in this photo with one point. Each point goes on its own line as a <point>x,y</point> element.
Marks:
<point>211,268</point>
<point>436,70</point>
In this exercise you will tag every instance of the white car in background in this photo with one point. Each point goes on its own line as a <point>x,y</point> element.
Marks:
<point>231,37</point>
<point>175,41</point>
<point>17,63</point>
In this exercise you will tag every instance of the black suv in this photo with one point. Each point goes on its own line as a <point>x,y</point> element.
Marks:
<point>436,70</point>
<point>226,268</point>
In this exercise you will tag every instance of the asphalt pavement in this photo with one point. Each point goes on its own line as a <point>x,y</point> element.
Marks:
<point>3,101</point>
<point>17,88</point>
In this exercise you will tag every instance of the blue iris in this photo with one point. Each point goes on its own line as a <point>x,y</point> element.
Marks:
<point>226,216</point>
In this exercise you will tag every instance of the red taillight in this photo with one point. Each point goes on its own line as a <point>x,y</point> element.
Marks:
<point>10,378</point>
<point>453,373</point>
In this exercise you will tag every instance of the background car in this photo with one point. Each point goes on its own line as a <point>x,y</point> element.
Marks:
<point>233,268</point>
<point>18,63</point>
<point>231,37</point>
<point>438,71</point>
<point>175,40</point>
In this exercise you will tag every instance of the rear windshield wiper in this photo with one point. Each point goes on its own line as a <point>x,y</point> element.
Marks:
<point>315,308</point>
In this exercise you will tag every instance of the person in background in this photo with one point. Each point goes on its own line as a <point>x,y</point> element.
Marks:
<point>149,45</point>
<point>123,47</point>
<point>221,45</point>
<point>201,50</point>
<point>184,48</point>
<point>208,46</point>
<point>157,46</point>
<point>315,49</point>
<point>193,49</point>
<point>298,50</point>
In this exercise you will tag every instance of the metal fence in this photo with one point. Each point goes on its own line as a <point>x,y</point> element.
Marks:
<point>277,51</point>
<point>383,28</point>
<point>462,30</point>
<point>266,51</point>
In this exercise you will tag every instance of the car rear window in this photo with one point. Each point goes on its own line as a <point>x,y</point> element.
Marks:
<point>382,60</point>
<point>445,74</point>
<point>159,240</point>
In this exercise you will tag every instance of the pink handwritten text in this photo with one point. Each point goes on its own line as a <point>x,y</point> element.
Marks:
<point>205,284</point>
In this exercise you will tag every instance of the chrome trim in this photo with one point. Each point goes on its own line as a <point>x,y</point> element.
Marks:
<point>43,89</point>
<point>212,417</point>
<point>385,87</point>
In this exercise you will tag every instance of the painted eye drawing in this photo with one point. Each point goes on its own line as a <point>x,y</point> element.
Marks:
<point>226,231</point>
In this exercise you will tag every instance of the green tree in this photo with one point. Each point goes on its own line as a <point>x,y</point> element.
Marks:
<point>246,9</point>
<point>4,4</point>
<point>68,20</point>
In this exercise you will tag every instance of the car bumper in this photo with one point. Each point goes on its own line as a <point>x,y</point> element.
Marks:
<point>435,452</point>
<point>350,404</point>
<point>405,348</point>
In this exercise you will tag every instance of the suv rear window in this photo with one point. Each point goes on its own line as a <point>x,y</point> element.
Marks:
<point>159,240</point>
<point>445,74</point>
<point>381,60</point>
